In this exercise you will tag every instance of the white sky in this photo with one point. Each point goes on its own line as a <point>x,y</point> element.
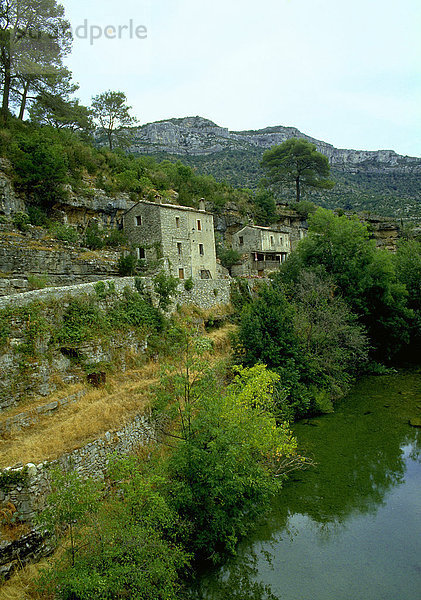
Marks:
<point>346,72</point>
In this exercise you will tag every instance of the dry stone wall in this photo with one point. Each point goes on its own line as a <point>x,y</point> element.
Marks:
<point>42,373</point>
<point>31,254</point>
<point>28,496</point>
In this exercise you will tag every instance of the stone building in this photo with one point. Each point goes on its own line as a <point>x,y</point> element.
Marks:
<point>263,250</point>
<point>182,235</point>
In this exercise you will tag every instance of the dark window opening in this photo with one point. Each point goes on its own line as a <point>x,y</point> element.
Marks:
<point>201,250</point>
<point>138,220</point>
<point>241,239</point>
<point>179,248</point>
<point>177,222</point>
<point>141,253</point>
<point>199,225</point>
<point>181,273</point>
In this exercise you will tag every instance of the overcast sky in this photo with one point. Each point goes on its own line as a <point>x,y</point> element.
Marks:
<point>345,72</point>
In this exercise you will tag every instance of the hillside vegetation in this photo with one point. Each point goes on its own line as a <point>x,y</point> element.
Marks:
<point>363,188</point>
<point>46,162</point>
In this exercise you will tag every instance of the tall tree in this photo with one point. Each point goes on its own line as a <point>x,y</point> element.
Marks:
<point>28,87</point>
<point>111,112</point>
<point>297,162</point>
<point>53,110</point>
<point>34,37</point>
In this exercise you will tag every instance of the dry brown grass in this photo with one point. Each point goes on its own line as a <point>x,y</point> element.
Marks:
<point>100,410</point>
<point>74,425</point>
<point>21,585</point>
<point>221,338</point>
<point>32,403</point>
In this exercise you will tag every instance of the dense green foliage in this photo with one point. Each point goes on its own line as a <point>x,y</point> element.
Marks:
<point>296,162</point>
<point>336,301</point>
<point>226,461</point>
<point>308,336</point>
<point>45,160</point>
<point>365,276</point>
<point>84,318</point>
<point>365,188</point>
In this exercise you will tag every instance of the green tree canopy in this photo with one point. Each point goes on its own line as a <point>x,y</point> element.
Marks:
<point>111,112</point>
<point>53,110</point>
<point>34,38</point>
<point>364,276</point>
<point>297,162</point>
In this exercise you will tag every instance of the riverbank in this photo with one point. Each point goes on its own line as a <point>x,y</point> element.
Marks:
<point>349,528</point>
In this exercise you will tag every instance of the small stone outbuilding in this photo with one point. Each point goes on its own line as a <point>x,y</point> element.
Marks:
<point>182,235</point>
<point>263,250</point>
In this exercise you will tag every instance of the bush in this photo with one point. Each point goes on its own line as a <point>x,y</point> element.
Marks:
<point>21,221</point>
<point>94,237</point>
<point>37,216</point>
<point>37,282</point>
<point>188,284</point>
<point>229,257</point>
<point>64,233</point>
<point>126,265</point>
<point>165,286</point>
<point>115,238</point>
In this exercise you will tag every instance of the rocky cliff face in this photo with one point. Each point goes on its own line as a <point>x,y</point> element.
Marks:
<point>197,136</point>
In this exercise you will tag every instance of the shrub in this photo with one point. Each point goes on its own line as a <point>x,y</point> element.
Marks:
<point>229,257</point>
<point>188,284</point>
<point>126,265</point>
<point>21,221</point>
<point>37,282</point>
<point>37,216</point>
<point>165,286</point>
<point>115,238</point>
<point>64,233</point>
<point>94,237</point>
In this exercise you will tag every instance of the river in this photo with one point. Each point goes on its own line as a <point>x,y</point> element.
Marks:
<point>350,528</point>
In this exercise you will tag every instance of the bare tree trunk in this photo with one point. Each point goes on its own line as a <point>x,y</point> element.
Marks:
<point>23,101</point>
<point>5,59</point>
<point>297,185</point>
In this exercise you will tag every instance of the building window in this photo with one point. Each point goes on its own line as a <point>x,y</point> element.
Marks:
<point>281,239</point>
<point>138,220</point>
<point>141,253</point>
<point>271,240</point>
<point>201,250</point>
<point>179,248</point>
<point>177,222</point>
<point>199,225</point>
<point>241,240</point>
<point>181,273</point>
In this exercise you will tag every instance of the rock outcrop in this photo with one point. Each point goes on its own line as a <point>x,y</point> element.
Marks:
<point>198,136</point>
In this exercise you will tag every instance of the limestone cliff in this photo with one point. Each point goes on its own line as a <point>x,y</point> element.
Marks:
<point>199,136</point>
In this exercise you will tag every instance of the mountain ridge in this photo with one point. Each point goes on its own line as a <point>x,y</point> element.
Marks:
<point>200,136</point>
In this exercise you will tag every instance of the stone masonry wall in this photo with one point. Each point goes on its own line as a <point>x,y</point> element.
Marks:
<point>41,374</point>
<point>28,254</point>
<point>202,294</point>
<point>27,498</point>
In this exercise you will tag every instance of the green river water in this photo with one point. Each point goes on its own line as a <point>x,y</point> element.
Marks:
<point>349,529</point>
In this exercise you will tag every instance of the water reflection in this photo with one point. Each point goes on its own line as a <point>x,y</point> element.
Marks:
<point>349,527</point>
<point>234,582</point>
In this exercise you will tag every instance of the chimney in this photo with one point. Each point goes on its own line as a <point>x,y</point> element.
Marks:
<point>202,206</point>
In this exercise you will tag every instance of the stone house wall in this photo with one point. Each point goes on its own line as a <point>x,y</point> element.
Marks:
<point>261,239</point>
<point>183,235</point>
